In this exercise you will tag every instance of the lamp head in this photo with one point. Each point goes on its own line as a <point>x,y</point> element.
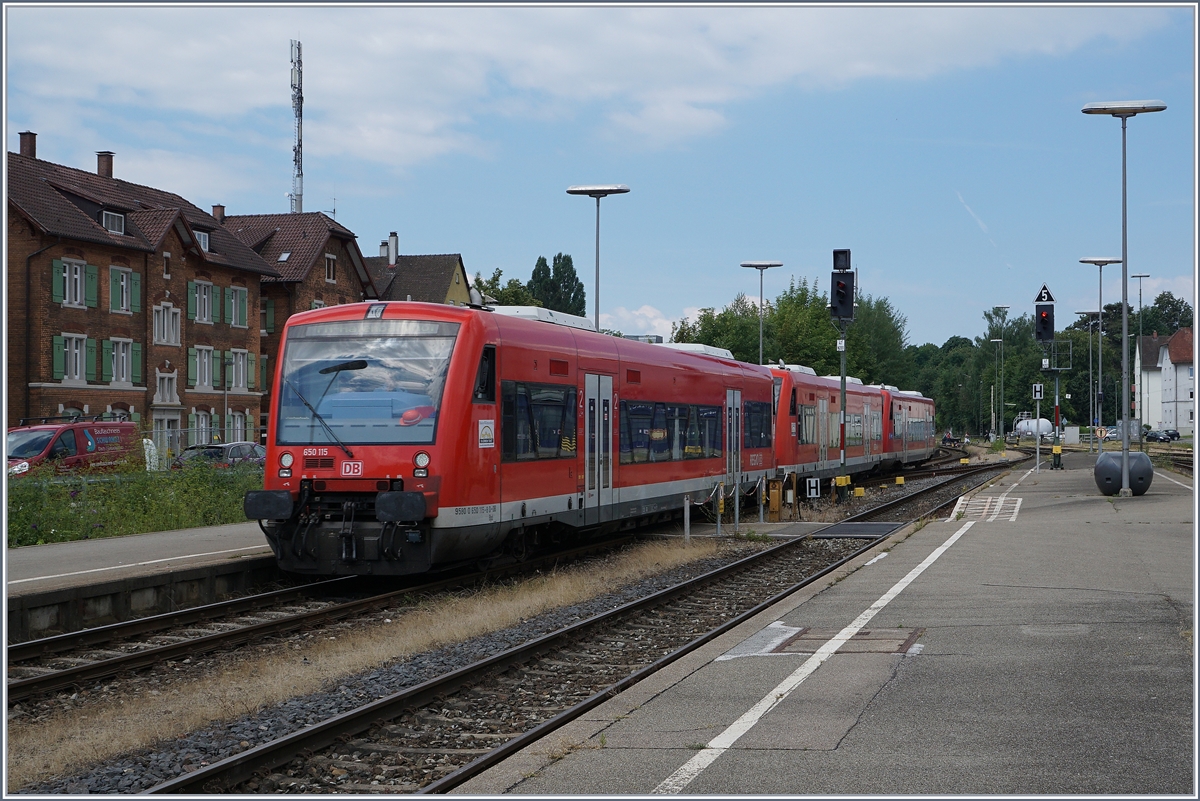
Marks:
<point>762,265</point>
<point>1124,108</point>
<point>598,191</point>
<point>1100,261</point>
<point>1140,275</point>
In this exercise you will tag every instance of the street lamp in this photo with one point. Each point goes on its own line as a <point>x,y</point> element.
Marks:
<point>1124,109</point>
<point>1003,323</point>
<point>1100,261</point>
<point>598,192</point>
<point>1142,362</point>
<point>1091,386</point>
<point>762,267</point>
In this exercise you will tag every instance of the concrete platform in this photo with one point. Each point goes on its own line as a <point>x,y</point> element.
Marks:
<point>67,586</point>
<point>1038,642</point>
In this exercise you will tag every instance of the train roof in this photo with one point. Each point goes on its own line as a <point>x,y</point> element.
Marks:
<point>546,316</point>
<point>696,347</point>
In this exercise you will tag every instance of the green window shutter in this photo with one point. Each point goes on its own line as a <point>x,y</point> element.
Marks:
<point>264,373</point>
<point>216,369</point>
<point>214,433</point>
<point>114,290</point>
<point>242,298</point>
<point>314,305</point>
<point>60,367</point>
<point>91,288</point>
<point>229,370</point>
<point>228,292</point>
<point>191,292</point>
<point>135,355</point>
<point>135,417</point>
<point>250,366</point>
<point>191,367</point>
<point>91,359</point>
<point>270,316</point>
<point>135,294</point>
<point>191,434</point>
<point>57,281</point>
<point>106,360</point>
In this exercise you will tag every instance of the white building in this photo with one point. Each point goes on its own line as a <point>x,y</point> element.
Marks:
<point>1149,380</point>
<point>1178,382</point>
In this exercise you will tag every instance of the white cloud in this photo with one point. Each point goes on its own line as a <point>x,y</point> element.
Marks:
<point>643,320</point>
<point>417,80</point>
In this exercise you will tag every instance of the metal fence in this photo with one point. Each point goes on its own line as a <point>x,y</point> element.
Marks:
<point>168,443</point>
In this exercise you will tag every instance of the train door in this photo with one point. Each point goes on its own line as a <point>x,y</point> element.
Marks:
<point>904,433</point>
<point>733,438</point>
<point>864,431</point>
<point>598,416</point>
<point>823,433</point>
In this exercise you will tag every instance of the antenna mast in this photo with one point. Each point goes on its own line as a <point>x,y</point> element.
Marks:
<point>297,195</point>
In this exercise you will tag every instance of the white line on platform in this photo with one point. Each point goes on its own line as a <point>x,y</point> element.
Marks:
<point>136,564</point>
<point>1173,481</point>
<point>681,778</point>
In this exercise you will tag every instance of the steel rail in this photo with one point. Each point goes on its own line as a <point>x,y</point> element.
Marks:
<point>69,677</point>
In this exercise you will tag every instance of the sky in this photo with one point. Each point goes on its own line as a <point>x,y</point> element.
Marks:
<point>944,146</point>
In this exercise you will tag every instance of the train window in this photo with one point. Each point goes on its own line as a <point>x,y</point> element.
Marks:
<point>537,421</point>
<point>636,420</point>
<point>485,376</point>
<point>775,395</point>
<point>806,431</point>
<point>660,446</point>
<point>756,425</point>
<point>660,432</point>
<point>792,405</point>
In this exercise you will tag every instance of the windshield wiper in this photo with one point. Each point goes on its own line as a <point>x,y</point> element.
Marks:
<point>319,418</point>
<point>356,364</point>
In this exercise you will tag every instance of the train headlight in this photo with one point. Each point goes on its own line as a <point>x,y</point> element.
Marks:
<point>286,459</point>
<point>421,460</point>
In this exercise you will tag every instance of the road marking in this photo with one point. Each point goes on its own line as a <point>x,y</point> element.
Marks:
<point>137,564</point>
<point>681,778</point>
<point>1173,481</point>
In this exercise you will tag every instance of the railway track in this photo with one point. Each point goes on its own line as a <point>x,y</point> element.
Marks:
<point>436,735</point>
<point>77,658</point>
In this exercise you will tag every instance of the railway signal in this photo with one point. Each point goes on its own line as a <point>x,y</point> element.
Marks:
<point>1043,327</point>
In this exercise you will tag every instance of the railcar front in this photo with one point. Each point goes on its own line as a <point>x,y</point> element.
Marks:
<point>373,407</point>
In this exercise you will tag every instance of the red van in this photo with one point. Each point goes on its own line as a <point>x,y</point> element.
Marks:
<point>71,444</point>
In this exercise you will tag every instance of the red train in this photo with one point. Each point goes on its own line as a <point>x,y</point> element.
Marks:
<point>407,437</point>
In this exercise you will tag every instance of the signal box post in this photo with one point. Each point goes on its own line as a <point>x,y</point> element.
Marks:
<point>841,312</point>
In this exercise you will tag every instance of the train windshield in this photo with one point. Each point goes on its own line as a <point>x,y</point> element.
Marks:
<point>363,382</point>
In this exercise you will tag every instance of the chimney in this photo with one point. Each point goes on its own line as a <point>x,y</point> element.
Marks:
<point>29,144</point>
<point>104,159</point>
<point>393,246</point>
<point>219,213</point>
<point>383,248</point>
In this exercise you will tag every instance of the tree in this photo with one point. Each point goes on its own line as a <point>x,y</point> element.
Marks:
<point>558,287</point>
<point>735,328</point>
<point>512,293</point>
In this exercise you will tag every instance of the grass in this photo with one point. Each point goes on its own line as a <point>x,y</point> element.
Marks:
<point>47,507</point>
<point>72,738</point>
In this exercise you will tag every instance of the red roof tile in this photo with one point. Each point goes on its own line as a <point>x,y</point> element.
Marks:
<point>1179,348</point>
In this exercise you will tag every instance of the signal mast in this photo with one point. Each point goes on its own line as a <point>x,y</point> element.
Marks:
<point>297,193</point>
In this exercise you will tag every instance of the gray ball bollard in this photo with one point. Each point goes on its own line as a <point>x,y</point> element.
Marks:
<point>1108,472</point>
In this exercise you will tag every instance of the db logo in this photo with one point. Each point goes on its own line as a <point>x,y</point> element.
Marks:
<point>351,468</point>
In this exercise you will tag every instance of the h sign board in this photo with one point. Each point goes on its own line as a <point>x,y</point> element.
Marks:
<point>1044,296</point>
<point>812,487</point>
<point>1037,391</point>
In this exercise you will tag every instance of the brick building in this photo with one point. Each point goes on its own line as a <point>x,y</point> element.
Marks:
<point>318,264</point>
<point>129,301</point>
<point>438,278</point>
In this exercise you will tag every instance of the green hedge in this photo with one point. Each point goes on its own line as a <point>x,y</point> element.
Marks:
<point>45,507</point>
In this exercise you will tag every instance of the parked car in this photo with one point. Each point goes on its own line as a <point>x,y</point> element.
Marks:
<point>1157,436</point>
<point>1172,433</point>
<point>226,454</point>
<point>70,444</point>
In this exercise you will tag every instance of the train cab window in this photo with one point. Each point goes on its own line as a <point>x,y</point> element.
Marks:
<point>485,376</point>
<point>792,405</point>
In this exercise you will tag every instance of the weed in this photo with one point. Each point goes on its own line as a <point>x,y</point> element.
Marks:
<point>751,536</point>
<point>603,739</point>
<point>697,746</point>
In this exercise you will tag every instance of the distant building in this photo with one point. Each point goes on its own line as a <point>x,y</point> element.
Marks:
<point>318,264</point>
<point>127,301</point>
<point>440,278</point>
<point>1178,379</point>
<point>1149,380</point>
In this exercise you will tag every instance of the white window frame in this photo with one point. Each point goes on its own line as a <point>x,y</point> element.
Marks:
<point>166,265</point>
<point>202,240</point>
<point>237,426</point>
<point>167,323</point>
<point>239,370</point>
<point>125,284</point>
<point>204,302</point>
<point>166,387</point>
<point>122,361</point>
<point>113,222</point>
<point>204,367</point>
<point>74,278</point>
<point>330,268</point>
<point>74,358</point>
<point>204,429</point>
<point>240,292</point>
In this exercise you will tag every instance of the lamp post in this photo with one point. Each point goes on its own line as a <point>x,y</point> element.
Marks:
<point>1141,364</point>
<point>1003,324</point>
<point>1100,261</point>
<point>1091,386</point>
<point>1124,109</point>
<point>598,192</point>
<point>762,267</point>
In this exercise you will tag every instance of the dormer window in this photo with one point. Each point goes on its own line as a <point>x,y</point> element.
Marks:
<point>114,222</point>
<point>202,240</point>
<point>284,255</point>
